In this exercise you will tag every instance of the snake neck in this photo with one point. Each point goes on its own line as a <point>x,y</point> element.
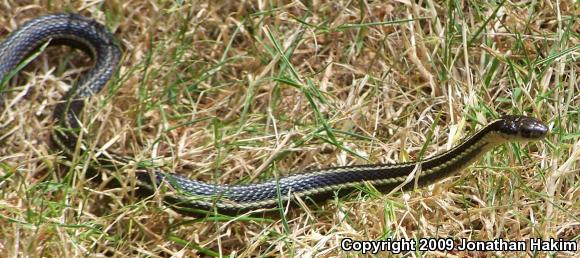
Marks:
<point>461,156</point>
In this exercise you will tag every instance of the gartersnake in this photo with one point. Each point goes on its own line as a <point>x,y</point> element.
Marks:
<point>92,37</point>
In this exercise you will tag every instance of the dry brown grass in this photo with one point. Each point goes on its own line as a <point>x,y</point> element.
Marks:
<point>201,84</point>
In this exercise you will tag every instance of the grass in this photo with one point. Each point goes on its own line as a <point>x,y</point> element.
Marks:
<point>240,93</point>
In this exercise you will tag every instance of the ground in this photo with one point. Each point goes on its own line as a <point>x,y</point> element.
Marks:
<point>239,92</point>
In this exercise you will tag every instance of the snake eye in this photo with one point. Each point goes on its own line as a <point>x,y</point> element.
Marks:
<point>508,125</point>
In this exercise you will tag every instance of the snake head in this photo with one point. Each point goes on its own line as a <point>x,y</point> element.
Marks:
<point>521,128</point>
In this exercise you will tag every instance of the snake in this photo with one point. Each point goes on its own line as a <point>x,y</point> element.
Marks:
<point>185,194</point>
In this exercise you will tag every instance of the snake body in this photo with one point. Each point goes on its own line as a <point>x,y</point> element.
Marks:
<point>192,195</point>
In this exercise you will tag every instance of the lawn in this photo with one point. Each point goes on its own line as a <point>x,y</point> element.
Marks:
<point>241,92</point>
